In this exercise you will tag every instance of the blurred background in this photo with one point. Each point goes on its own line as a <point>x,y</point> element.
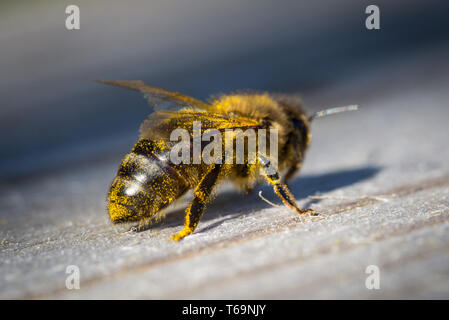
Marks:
<point>52,115</point>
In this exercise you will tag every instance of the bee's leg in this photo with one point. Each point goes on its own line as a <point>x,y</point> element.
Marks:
<point>248,188</point>
<point>143,225</point>
<point>245,183</point>
<point>201,196</point>
<point>290,173</point>
<point>283,192</point>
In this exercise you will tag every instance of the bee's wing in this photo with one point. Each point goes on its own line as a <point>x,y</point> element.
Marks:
<point>160,99</point>
<point>162,123</point>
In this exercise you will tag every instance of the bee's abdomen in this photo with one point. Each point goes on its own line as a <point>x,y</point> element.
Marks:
<point>145,183</point>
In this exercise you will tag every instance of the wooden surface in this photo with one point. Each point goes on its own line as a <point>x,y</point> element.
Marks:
<point>389,162</point>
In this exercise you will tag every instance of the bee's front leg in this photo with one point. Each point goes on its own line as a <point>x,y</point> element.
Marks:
<point>283,192</point>
<point>201,196</point>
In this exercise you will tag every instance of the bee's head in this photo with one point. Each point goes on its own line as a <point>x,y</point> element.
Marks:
<point>123,201</point>
<point>299,124</point>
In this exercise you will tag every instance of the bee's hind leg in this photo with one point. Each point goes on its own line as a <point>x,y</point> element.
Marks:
<point>201,196</point>
<point>283,192</point>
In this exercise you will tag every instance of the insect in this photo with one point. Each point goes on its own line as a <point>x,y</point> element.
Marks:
<point>147,181</point>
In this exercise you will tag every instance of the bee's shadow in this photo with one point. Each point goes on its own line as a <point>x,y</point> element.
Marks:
<point>232,204</point>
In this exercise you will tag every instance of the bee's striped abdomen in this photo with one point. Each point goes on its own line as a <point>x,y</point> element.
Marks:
<point>145,183</point>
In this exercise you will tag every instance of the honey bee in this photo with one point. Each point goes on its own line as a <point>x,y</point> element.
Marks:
<point>147,181</point>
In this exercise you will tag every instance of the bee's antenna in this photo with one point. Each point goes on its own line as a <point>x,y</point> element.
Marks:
<point>329,111</point>
<point>268,201</point>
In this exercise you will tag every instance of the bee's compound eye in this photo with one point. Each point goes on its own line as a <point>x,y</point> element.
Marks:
<point>299,124</point>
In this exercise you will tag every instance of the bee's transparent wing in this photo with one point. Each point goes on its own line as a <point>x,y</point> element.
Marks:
<point>160,99</point>
<point>161,123</point>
